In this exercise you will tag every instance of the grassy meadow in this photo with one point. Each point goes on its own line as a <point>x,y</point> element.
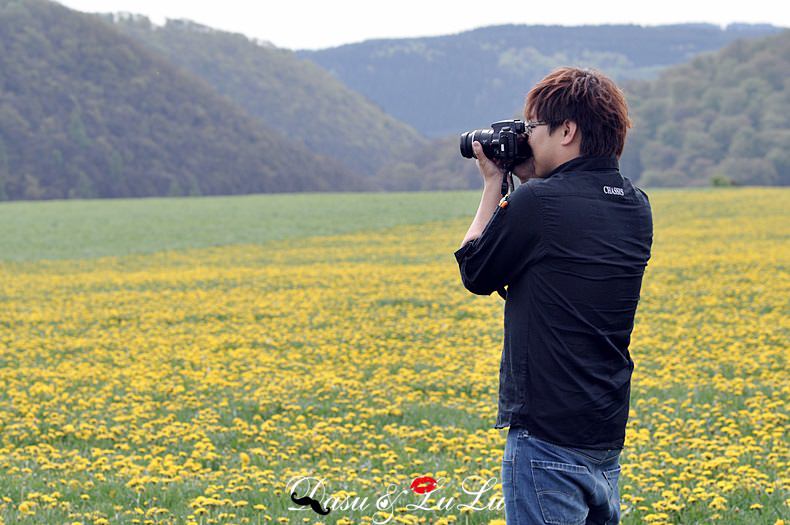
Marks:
<point>179,361</point>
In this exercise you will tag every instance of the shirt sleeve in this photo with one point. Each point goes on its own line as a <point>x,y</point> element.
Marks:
<point>511,241</point>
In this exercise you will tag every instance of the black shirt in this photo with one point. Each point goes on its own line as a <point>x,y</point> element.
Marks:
<point>572,249</point>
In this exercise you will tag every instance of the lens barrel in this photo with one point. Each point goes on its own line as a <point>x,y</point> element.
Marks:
<point>484,136</point>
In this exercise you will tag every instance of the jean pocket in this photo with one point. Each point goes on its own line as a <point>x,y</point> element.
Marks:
<point>597,456</point>
<point>560,497</point>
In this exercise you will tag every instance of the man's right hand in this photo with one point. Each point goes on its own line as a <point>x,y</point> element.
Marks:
<point>524,171</point>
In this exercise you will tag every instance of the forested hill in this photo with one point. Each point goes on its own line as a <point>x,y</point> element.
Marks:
<point>723,118</point>
<point>448,84</point>
<point>86,111</point>
<point>286,92</point>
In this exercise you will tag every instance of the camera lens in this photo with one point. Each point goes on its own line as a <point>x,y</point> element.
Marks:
<point>483,136</point>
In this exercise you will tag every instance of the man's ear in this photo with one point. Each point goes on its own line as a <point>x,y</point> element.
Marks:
<point>569,132</point>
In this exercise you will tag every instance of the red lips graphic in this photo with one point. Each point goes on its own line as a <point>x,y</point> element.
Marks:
<point>423,485</point>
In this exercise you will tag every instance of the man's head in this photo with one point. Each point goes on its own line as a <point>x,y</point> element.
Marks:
<point>585,112</point>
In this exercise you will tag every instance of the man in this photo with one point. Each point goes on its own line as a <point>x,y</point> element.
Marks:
<point>571,243</point>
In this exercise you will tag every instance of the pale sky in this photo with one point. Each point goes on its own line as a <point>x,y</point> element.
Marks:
<point>315,24</point>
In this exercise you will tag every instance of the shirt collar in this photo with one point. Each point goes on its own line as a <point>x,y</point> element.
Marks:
<point>585,163</point>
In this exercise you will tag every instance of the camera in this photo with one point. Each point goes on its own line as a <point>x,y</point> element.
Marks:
<point>505,141</point>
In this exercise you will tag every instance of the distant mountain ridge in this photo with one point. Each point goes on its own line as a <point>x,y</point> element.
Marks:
<point>723,119</point>
<point>453,83</point>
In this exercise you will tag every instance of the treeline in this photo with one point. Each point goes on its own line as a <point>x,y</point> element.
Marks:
<point>94,106</point>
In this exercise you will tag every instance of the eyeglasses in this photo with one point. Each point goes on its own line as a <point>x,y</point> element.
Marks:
<point>530,125</point>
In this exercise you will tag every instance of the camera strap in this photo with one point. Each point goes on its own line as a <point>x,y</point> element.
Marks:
<point>507,183</point>
<point>507,186</point>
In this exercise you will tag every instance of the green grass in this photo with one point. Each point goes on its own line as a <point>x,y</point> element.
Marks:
<point>73,229</point>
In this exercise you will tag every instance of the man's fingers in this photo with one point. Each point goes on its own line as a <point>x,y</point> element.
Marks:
<point>489,168</point>
<point>478,150</point>
<point>480,154</point>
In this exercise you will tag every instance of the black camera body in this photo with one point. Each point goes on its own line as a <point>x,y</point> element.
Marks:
<point>505,141</point>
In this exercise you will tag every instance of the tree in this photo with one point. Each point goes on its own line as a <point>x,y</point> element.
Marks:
<point>657,156</point>
<point>746,144</point>
<point>780,158</point>
<point>748,171</point>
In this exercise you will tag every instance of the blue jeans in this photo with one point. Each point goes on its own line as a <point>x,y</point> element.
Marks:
<point>547,483</point>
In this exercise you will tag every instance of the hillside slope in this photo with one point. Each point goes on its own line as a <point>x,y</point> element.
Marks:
<point>291,94</point>
<point>723,118</point>
<point>86,111</point>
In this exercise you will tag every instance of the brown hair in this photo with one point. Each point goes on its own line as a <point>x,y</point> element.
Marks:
<point>587,97</point>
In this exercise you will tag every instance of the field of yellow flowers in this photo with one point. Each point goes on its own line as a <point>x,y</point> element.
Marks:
<point>200,386</point>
